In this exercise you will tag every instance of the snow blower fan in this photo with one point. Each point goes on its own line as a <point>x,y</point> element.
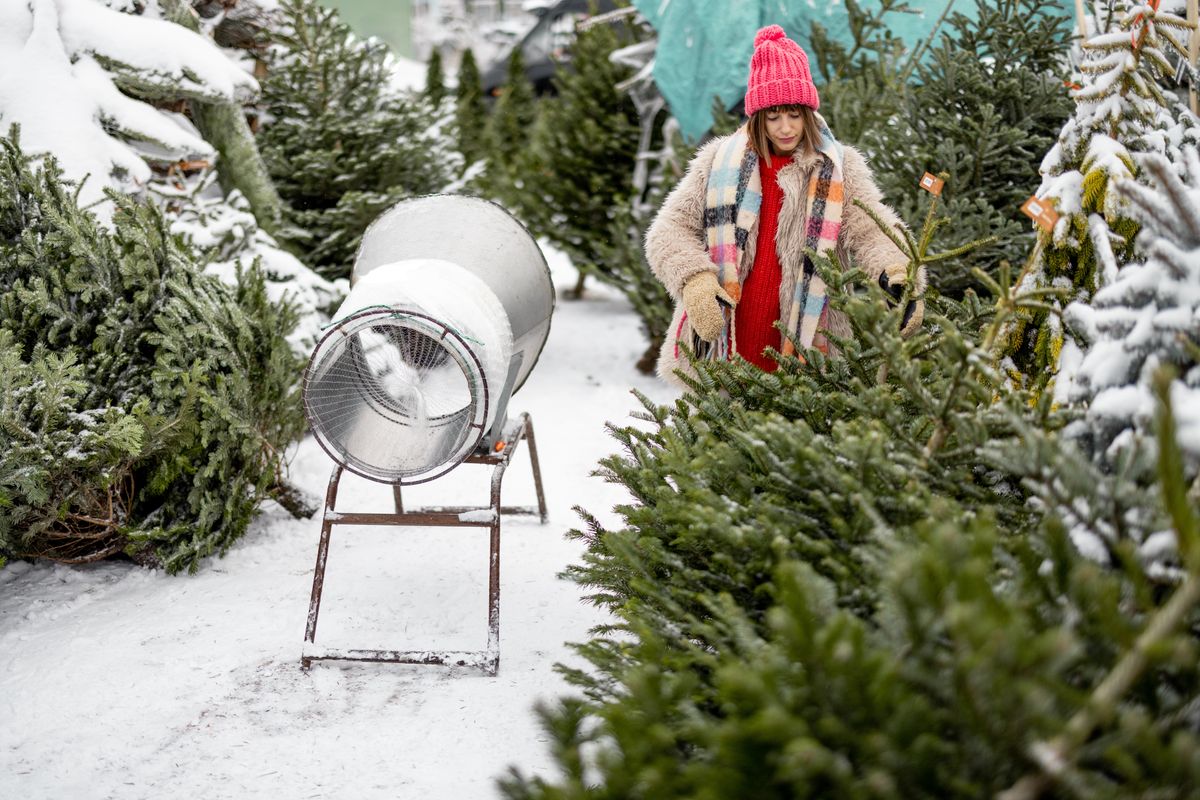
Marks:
<point>449,308</point>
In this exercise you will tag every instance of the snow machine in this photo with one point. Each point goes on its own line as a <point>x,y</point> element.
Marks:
<point>448,311</point>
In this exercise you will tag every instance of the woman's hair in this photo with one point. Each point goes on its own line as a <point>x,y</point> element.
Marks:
<point>809,136</point>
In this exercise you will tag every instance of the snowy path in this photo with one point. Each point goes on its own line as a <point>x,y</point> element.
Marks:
<point>117,681</point>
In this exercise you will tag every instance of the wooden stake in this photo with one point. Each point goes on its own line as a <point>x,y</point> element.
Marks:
<point>1081,18</point>
<point>1193,51</point>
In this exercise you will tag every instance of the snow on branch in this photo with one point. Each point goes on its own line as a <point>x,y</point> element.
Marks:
<point>76,75</point>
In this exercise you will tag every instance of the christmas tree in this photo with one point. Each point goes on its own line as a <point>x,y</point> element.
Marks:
<point>470,115</point>
<point>146,405</point>
<point>507,132</point>
<point>227,239</point>
<point>1121,110</point>
<point>111,76</point>
<point>1145,319</point>
<point>341,144</point>
<point>579,166</point>
<point>1147,316</point>
<point>984,101</point>
<point>830,582</point>
<point>435,79</point>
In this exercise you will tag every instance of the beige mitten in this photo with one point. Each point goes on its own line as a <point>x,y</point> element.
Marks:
<point>701,294</point>
<point>892,280</point>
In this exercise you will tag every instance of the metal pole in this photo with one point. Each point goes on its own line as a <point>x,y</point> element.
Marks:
<point>493,641</point>
<point>537,470</point>
<point>314,603</point>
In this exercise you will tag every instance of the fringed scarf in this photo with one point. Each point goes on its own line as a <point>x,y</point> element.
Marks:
<point>732,202</point>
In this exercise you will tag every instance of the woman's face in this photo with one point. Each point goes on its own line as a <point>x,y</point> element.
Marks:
<point>783,129</point>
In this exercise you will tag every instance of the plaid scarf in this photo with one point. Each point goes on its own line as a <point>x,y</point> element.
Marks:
<point>732,201</point>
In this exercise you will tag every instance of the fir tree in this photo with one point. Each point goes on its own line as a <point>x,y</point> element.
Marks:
<point>435,79</point>
<point>508,130</point>
<point>341,145</point>
<point>1121,109</point>
<point>579,166</point>
<point>146,405</point>
<point>1146,318</point>
<point>982,106</point>
<point>831,583</point>
<point>227,239</point>
<point>470,115</point>
<point>1148,315</point>
<point>63,463</point>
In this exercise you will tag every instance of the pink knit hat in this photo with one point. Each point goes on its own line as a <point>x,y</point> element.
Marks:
<point>779,74</point>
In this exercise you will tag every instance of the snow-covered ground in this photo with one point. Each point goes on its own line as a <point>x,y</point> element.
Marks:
<point>123,682</point>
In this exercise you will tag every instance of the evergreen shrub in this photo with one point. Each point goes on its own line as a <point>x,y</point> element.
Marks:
<point>513,117</point>
<point>470,112</point>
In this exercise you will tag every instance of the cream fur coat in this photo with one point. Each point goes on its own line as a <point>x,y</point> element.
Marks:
<point>676,249</point>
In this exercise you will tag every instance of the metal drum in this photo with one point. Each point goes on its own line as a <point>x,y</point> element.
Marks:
<point>449,310</point>
<point>482,238</point>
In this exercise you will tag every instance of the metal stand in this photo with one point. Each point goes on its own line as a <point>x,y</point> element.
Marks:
<point>449,516</point>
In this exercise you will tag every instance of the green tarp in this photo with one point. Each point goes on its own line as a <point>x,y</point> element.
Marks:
<point>704,46</point>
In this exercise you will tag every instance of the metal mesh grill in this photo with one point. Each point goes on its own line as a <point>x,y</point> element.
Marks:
<point>394,395</point>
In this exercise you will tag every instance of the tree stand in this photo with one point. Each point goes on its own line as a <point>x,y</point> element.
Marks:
<point>488,516</point>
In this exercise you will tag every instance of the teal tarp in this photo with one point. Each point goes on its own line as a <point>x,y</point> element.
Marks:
<point>704,46</point>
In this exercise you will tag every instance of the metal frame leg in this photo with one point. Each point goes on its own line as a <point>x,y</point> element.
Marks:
<point>449,516</point>
<point>537,470</point>
<point>314,603</point>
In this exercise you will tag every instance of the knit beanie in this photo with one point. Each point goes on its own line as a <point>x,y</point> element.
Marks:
<point>779,74</point>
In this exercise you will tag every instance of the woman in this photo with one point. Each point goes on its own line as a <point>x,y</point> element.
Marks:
<point>729,242</point>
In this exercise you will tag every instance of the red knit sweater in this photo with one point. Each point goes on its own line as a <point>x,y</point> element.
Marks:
<point>758,309</point>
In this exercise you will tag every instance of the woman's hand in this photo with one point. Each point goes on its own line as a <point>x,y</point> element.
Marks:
<point>892,280</point>
<point>702,298</point>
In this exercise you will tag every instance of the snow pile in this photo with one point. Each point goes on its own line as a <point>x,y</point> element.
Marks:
<point>63,64</point>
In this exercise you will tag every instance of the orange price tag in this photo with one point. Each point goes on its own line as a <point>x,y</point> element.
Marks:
<point>932,183</point>
<point>1041,212</point>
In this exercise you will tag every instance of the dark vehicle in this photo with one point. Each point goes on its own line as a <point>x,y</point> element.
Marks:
<point>546,45</point>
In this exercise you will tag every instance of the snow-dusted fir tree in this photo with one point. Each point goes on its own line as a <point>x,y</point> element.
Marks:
<point>1122,111</point>
<point>81,79</point>
<point>1141,330</point>
<point>146,406</point>
<point>130,100</point>
<point>1146,317</point>
<point>227,238</point>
